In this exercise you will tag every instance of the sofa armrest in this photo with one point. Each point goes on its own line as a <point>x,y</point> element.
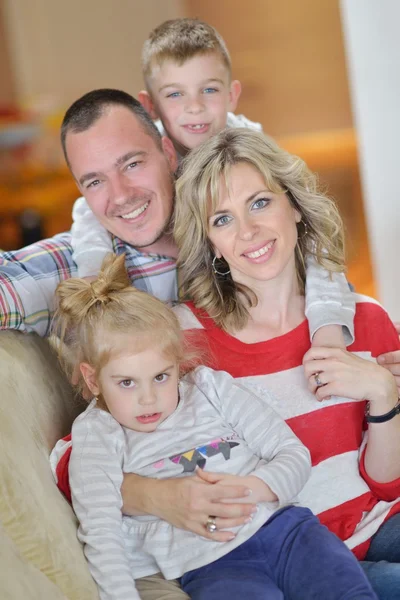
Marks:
<point>37,407</point>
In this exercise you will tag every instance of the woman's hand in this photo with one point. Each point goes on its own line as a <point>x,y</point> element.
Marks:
<point>188,502</point>
<point>353,377</point>
<point>344,374</point>
<point>260,491</point>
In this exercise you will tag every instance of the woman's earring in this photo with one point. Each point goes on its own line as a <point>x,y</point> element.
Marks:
<point>305,232</point>
<point>216,270</point>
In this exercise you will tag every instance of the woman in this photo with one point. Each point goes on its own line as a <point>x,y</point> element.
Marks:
<point>248,217</point>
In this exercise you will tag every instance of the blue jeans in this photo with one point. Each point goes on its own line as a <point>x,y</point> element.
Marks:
<point>382,563</point>
<point>292,557</point>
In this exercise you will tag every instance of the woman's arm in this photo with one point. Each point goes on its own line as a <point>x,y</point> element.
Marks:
<point>347,375</point>
<point>187,503</point>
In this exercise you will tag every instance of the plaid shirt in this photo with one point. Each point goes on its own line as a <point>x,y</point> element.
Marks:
<point>29,277</point>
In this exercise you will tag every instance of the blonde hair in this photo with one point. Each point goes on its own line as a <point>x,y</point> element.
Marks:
<point>95,320</point>
<point>179,40</point>
<point>197,191</point>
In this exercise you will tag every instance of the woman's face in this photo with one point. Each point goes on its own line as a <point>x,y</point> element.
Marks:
<point>253,229</point>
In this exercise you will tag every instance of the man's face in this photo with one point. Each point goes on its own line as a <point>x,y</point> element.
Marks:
<point>193,99</point>
<point>126,178</point>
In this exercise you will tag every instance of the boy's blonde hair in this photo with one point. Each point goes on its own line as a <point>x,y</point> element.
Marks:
<point>96,320</point>
<point>320,232</point>
<point>179,40</point>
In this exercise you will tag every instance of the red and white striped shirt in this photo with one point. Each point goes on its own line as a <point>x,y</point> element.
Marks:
<point>339,491</point>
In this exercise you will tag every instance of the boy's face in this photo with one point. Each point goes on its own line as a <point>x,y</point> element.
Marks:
<point>193,99</point>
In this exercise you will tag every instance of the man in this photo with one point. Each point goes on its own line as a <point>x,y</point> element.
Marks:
<point>126,172</point>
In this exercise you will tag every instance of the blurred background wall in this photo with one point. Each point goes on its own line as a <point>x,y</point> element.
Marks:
<point>61,49</point>
<point>289,56</point>
<point>373,49</point>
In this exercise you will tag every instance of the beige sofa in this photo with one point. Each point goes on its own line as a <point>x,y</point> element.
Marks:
<point>40,557</point>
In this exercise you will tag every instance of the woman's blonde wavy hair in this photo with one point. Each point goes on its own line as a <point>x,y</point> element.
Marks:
<point>93,321</point>
<point>320,232</point>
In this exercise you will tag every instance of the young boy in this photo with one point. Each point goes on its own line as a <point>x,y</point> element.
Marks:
<point>188,75</point>
<point>187,71</point>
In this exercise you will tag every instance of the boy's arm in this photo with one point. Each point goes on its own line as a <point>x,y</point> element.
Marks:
<point>28,280</point>
<point>329,302</point>
<point>96,478</point>
<point>235,121</point>
<point>90,240</point>
<point>286,463</point>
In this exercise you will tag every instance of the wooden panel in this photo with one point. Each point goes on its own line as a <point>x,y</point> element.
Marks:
<point>63,49</point>
<point>7,86</point>
<point>289,57</point>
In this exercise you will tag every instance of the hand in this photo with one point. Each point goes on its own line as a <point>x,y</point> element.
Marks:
<point>187,502</point>
<point>391,361</point>
<point>260,491</point>
<point>329,336</point>
<point>347,375</point>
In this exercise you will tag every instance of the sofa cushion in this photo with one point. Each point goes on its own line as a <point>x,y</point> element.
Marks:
<point>37,408</point>
<point>21,580</point>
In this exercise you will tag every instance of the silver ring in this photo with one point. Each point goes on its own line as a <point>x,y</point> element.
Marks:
<point>317,379</point>
<point>211,525</point>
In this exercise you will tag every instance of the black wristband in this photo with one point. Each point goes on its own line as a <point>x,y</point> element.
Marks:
<point>383,418</point>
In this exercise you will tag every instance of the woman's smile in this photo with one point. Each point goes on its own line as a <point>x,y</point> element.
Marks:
<point>261,253</point>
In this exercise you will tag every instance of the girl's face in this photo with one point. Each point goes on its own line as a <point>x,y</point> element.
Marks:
<point>253,229</point>
<point>139,389</point>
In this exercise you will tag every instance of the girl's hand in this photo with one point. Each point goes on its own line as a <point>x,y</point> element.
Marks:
<point>344,374</point>
<point>260,491</point>
<point>188,502</point>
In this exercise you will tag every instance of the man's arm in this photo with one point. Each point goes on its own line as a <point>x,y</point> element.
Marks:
<point>28,280</point>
